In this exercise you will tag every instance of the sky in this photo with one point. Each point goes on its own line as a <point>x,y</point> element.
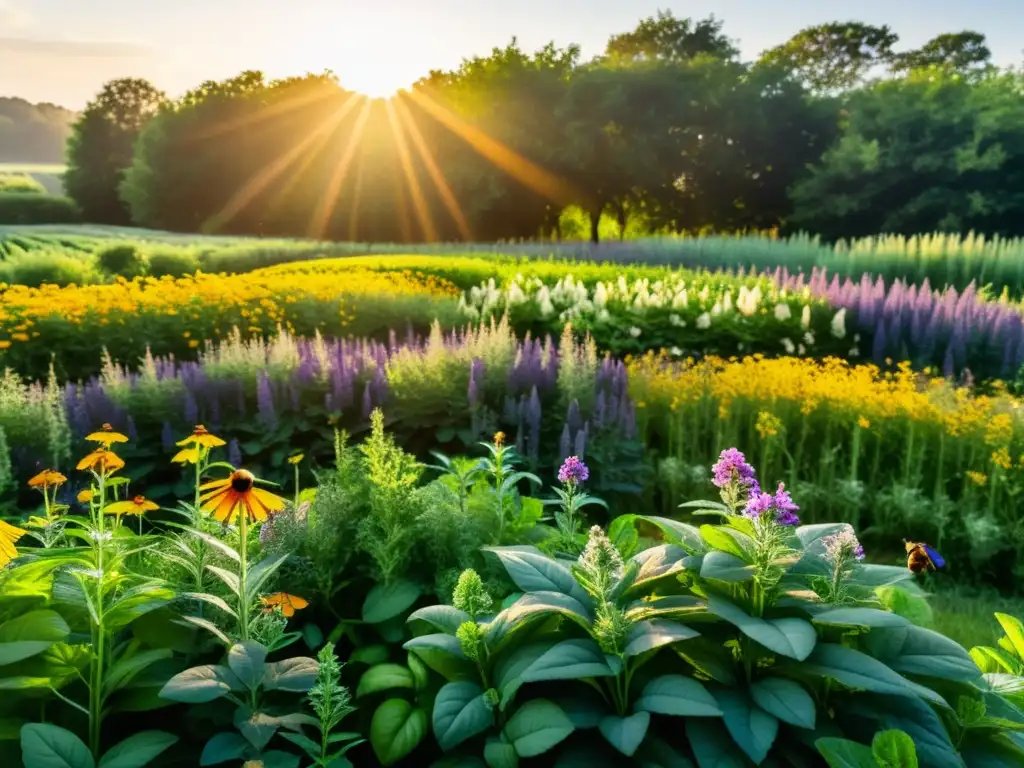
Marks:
<point>62,51</point>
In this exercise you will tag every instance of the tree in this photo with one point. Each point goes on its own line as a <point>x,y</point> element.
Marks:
<point>963,52</point>
<point>925,153</point>
<point>668,39</point>
<point>100,147</point>
<point>834,56</point>
<point>33,133</point>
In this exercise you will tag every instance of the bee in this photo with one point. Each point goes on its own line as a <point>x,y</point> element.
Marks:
<point>921,557</point>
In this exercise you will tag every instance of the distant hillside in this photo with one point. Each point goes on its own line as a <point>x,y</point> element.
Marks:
<point>33,133</point>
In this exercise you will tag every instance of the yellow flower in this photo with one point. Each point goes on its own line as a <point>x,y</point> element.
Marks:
<point>84,496</point>
<point>137,506</point>
<point>200,437</point>
<point>293,460</point>
<point>5,344</point>
<point>9,535</point>
<point>19,336</point>
<point>193,343</point>
<point>103,461</point>
<point>863,423</point>
<point>107,436</point>
<point>187,456</point>
<point>237,494</point>
<point>48,478</point>
<point>499,439</point>
<point>768,424</point>
<point>1001,459</point>
<point>978,478</point>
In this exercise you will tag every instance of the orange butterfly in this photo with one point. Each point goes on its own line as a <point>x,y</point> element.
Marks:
<point>288,604</point>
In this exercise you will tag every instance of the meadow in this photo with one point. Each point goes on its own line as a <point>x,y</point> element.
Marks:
<point>333,504</point>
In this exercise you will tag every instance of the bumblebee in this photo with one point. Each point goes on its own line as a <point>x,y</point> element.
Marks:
<point>921,557</point>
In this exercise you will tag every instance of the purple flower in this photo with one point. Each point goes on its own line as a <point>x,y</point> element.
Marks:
<point>732,467</point>
<point>573,471</point>
<point>779,505</point>
<point>265,401</point>
<point>842,545</point>
<point>234,454</point>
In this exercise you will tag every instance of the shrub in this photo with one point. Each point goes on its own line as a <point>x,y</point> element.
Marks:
<point>172,262</point>
<point>20,183</point>
<point>18,208</point>
<point>125,259</point>
<point>46,268</point>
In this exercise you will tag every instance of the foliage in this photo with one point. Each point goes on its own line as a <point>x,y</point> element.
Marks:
<point>20,183</point>
<point>33,132</point>
<point>18,208</point>
<point>123,261</point>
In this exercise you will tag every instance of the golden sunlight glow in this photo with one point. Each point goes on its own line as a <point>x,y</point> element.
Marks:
<point>267,175</point>
<point>321,216</point>
<point>529,174</point>
<point>419,202</point>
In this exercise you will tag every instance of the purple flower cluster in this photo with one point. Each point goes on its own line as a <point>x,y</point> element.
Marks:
<point>573,471</point>
<point>732,469</point>
<point>779,505</point>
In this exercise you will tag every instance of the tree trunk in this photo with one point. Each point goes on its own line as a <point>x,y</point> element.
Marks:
<point>623,217</point>
<point>595,221</point>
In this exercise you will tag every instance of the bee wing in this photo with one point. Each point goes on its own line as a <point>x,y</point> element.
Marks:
<point>937,560</point>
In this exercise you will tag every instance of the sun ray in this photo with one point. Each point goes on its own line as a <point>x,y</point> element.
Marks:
<point>281,107</point>
<point>447,196</point>
<point>419,203</point>
<point>318,222</point>
<point>528,173</point>
<point>357,199</point>
<point>268,174</point>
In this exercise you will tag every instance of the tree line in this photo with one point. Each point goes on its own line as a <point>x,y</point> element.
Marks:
<point>33,133</point>
<point>835,132</point>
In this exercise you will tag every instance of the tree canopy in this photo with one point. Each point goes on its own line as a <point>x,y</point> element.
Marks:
<point>33,133</point>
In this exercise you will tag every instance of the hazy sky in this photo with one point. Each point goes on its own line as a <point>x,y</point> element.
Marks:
<point>63,50</point>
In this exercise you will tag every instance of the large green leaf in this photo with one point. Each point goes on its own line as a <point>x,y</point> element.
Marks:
<point>910,715</point>
<point>509,669</point>
<point>199,685</point>
<point>727,540</point>
<point>677,695</point>
<point>753,729</point>
<point>122,672</point>
<point>625,733</point>
<point>443,654</point>
<point>569,660</point>
<point>247,660</point>
<point>656,563</point>
<point>725,567</point>
<point>396,729</point>
<point>537,727</point>
<point>295,675</point>
<point>500,754</point>
<point>685,607</point>
<point>461,711</point>
<point>843,753</point>
<point>794,638</point>
<point>894,749</point>
<point>855,670</point>
<point>1014,629</point>
<point>31,633</point>
<point>860,617</point>
<point>785,699</point>
<point>534,605</point>
<point>713,746</point>
<point>442,617</point>
<point>49,746</point>
<point>919,651</point>
<point>648,635</point>
<point>682,534</point>
<point>535,572</point>
<point>225,746</point>
<point>386,601</point>
<point>138,750</point>
<point>384,677</point>
<point>261,572</point>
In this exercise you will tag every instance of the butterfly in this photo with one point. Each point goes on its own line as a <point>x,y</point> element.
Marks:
<point>288,604</point>
<point>921,557</point>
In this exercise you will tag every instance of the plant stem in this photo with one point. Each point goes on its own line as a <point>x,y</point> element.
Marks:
<point>99,640</point>
<point>243,569</point>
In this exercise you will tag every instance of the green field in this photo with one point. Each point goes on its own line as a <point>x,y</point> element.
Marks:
<point>47,174</point>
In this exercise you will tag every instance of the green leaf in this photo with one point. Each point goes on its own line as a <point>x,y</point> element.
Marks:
<point>677,695</point>
<point>49,746</point>
<point>384,677</point>
<point>686,536</point>
<point>199,685</point>
<point>396,730</point>
<point>230,579</point>
<point>536,727</point>
<point>855,670</point>
<point>1014,629</point>
<point>370,654</point>
<point>531,606</point>
<point>712,745</point>
<point>860,617</point>
<point>443,654</point>
<point>648,635</point>
<point>753,729</point>
<point>568,660</point>
<point>625,733</point>
<point>247,661</point>
<point>919,651</point>
<point>534,572</point>
<point>583,710</point>
<point>386,601</point>
<point>508,671</point>
<point>257,727</point>
<point>137,750</point>
<point>727,540</point>
<point>31,633</point>
<point>656,563</point>
<point>894,749</point>
<point>461,711</point>
<point>499,754</point>
<point>442,617</point>
<point>260,572</point>
<point>223,747</point>
<point>217,602</point>
<point>793,638</point>
<point>420,672</point>
<point>295,675</point>
<point>843,753</point>
<point>123,671</point>
<point>209,626</point>
<point>725,567</point>
<point>312,636</point>
<point>785,699</point>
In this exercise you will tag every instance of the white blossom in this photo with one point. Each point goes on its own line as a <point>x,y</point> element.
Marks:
<point>839,324</point>
<point>634,331</point>
<point>782,312</point>
<point>809,339</point>
<point>805,317</point>
<point>788,346</point>
<point>704,321</point>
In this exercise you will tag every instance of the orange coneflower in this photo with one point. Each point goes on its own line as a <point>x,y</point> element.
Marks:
<point>8,536</point>
<point>226,499</point>
<point>102,461</point>
<point>48,478</point>
<point>137,506</point>
<point>201,438</point>
<point>288,604</point>
<point>107,436</point>
<point>187,456</point>
<point>85,496</point>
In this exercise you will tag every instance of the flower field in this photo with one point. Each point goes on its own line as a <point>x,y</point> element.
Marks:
<point>451,510</point>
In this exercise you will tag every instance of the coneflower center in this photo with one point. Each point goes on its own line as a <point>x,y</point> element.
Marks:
<point>242,481</point>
